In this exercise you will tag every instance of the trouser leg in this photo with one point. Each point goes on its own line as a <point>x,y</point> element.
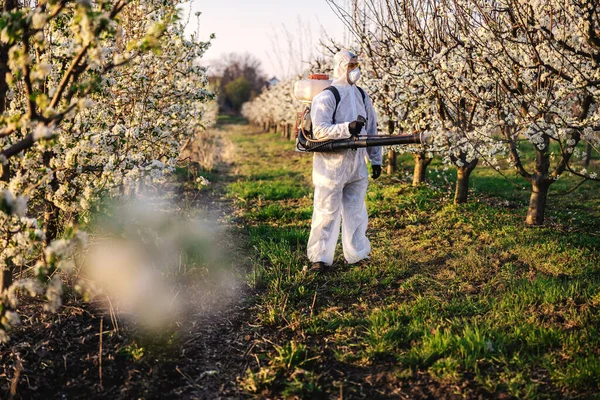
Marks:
<point>354,221</point>
<point>325,227</point>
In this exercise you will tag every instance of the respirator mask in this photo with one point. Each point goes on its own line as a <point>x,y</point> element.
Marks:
<point>353,72</point>
<point>354,76</point>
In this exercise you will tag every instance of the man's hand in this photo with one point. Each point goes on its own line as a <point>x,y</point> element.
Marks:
<point>355,128</point>
<point>376,171</point>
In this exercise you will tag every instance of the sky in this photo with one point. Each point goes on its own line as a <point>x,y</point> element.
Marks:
<point>262,28</point>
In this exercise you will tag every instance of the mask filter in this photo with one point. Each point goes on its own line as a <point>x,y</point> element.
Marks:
<point>354,75</point>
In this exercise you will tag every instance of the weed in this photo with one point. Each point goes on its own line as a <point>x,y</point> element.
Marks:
<point>289,371</point>
<point>131,352</point>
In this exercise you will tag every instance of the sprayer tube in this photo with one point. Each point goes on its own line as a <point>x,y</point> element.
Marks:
<point>351,143</point>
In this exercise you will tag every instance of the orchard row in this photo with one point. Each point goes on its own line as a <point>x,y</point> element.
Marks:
<point>502,83</point>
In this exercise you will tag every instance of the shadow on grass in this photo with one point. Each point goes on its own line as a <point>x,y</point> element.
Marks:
<point>224,119</point>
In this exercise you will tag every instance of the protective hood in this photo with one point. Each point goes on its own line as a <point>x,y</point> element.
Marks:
<point>340,66</point>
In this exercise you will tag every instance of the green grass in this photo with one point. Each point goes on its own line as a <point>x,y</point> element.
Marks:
<point>267,190</point>
<point>465,299</point>
<point>223,119</point>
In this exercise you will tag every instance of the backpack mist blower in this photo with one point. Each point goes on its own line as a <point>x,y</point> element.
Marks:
<point>305,90</point>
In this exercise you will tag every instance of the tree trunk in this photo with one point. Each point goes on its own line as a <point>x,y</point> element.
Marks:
<point>5,172</point>
<point>141,185</point>
<point>3,70</point>
<point>51,217</point>
<point>6,277</point>
<point>461,194</point>
<point>9,5</point>
<point>537,202</point>
<point>391,166</point>
<point>540,183</point>
<point>421,163</point>
<point>4,48</point>
<point>588,155</point>
<point>52,213</point>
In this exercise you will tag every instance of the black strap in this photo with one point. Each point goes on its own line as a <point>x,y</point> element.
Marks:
<point>363,94</point>
<point>338,98</point>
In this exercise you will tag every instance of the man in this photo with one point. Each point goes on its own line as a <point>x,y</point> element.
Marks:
<point>341,177</point>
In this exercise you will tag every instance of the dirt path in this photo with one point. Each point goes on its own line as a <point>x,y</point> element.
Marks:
<point>61,356</point>
<point>220,340</point>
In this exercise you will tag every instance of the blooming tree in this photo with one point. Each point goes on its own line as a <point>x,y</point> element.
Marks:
<point>483,75</point>
<point>95,97</point>
<point>488,78</point>
<point>410,47</point>
<point>274,106</point>
<point>542,59</point>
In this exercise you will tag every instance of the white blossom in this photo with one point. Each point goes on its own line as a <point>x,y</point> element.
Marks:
<point>43,131</point>
<point>38,20</point>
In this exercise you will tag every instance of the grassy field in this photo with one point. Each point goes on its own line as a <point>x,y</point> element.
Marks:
<point>456,301</point>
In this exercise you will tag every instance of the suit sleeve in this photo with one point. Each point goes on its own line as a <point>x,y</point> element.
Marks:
<point>374,153</point>
<point>321,114</point>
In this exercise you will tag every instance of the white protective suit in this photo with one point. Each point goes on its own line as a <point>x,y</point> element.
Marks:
<point>341,177</point>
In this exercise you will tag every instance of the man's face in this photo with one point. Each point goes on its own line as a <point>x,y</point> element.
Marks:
<point>353,65</point>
